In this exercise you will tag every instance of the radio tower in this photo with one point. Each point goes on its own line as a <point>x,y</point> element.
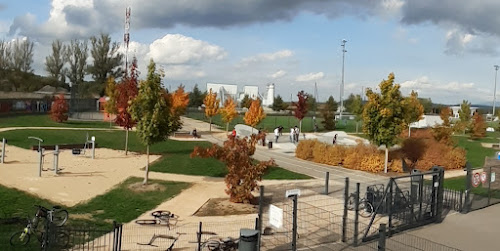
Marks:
<point>126,37</point>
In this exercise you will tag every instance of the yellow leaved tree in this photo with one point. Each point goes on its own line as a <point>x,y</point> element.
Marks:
<point>228,112</point>
<point>211,105</point>
<point>255,114</point>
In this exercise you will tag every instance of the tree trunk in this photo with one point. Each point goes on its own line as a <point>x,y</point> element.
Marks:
<point>357,127</point>
<point>409,131</point>
<point>300,126</point>
<point>147,167</point>
<point>126,142</point>
<point>210,124</point>
<point>386,158</point>
<point>227,127</point>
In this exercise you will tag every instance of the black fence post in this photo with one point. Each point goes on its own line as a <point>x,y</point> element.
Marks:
<point>199,236</point>
<point>489,186</point>
<point>461,205</point>
<point>294,223</point>
<point>356,215</point>
<point>468,185</point>
<point>327,180</point>
<point>381,237</point>
<point>389,204</point>
<point>344,216</point>
<point>440,192</point>
<point>259,220</point>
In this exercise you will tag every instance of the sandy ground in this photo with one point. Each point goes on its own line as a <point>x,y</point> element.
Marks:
<point>80,177</point>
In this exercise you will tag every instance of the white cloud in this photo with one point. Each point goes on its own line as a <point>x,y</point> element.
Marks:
<point>267,57</point>
<point>174,49</point>
<point>278,74</point>
<point>310,77</point>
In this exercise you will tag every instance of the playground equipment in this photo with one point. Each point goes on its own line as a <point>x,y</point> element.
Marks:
<point>89,143</point>
<point>2,157</point>
<point>41,154</point>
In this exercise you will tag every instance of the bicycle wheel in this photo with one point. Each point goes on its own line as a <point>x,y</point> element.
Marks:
<point>351,202</point>
<point>161,214</point>
<point>59,217</point>
<point>19,239</point>
<point>62,239</point>
<point>366,210</point>
<point>146,222</point>
<point>211,245</point>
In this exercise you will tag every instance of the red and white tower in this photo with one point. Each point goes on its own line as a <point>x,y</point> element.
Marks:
<point>126,36</point>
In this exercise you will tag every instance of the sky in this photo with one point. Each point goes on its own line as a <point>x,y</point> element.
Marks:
<point>445,50</point>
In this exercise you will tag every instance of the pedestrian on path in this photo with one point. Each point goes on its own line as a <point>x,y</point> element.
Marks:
<point>292,135</point>
<point>296,133</point>
<point>276,133</point>
<point>334,139</point>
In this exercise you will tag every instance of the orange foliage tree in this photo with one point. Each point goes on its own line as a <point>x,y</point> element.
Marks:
<point>243,173</point>
<point>228,112</point>
<point>478,126</point>
<point>211,105</point>
<point>180,100</point>
<point>59,109</point>
<point>443,133</point>
<point>255,114</point>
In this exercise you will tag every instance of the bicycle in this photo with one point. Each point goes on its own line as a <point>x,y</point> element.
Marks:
<point>164,236</point>
<point>219,244</point>
<point>161,217</point>
<point>365,207</point>
<point>56,215</point>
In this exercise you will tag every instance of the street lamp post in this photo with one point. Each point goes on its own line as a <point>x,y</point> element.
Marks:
<point>494,93</point>
<point>342,84</point>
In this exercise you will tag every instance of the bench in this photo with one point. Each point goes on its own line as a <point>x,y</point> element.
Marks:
<point>63,146</point>
<point>184,134</point>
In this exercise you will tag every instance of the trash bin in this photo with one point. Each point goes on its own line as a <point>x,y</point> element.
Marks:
<point>248,239</point>
<point>270,144</point>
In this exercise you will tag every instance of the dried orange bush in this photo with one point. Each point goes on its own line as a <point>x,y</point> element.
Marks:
<point>320,151</point>
<point>305,149</point>
<point>335,155</point>
<point>354,155</point>
<point>396,165</point>
<point>372,162</point>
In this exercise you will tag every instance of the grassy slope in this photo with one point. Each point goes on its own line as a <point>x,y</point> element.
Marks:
<point>43,120</point>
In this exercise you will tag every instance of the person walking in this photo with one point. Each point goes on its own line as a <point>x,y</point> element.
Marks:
<point>276,134</point>
<point>296,133</point>
<point>334,139</point>
<point>292,135</point>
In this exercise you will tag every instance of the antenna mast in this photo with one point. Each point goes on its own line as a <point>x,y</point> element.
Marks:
<point>126,37</point>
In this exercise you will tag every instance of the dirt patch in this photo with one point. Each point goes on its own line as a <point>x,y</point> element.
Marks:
<point>223,207</point>
<point>150,187</point>
<point>85,216</point>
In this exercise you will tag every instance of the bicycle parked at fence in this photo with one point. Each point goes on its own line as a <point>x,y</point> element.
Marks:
<point>55,216</point>
<point>366,208</point>
<point>162,236</point>
<point>161,217</point>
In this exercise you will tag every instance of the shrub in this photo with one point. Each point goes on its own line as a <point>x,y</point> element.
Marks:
<point>59,109</point>
<point>335,155</point>
<point>320,151</point>
<point>396,165</point>
<point>305,149</point>
<point>372,162</point>
<point>355,155</point>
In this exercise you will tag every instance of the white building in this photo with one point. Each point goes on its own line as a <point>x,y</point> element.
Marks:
<point>230,90</point>
<point>455,110</point>
<point>427,121</point>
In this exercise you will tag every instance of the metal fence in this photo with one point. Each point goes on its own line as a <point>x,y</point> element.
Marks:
<point>483,188</point>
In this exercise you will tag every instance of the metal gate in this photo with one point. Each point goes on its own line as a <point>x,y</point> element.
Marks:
<point>482,188</point>
<point>407,202</point>
<point>83,238</point>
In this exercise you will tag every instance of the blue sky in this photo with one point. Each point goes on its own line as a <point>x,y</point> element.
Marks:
<point>445,49</point>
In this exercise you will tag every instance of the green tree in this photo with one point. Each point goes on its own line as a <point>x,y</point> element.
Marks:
<point>152,112</point>
<point>465,117</point>
<point>22,55</point>
<point>54,63</point>
<point>246,102</point>
<point>76,56</point>
<point>355,106</point>
<point>196,97</point>
<point>413,110</point>
<point>107,60</point>
<point>427,104</point>
<point>328,114</point>
<point>383,115</point>
<point>312,104</point>
<point>5,55</point>
<point>278,104</point>
<point>111,93</point>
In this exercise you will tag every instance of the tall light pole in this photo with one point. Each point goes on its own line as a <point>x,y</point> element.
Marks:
<point>494,93</point>
<point>342,84</point>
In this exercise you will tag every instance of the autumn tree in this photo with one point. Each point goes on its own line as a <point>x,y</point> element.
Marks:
<point>211,106</point>
<point>255,114</point>
<point>126,91</point>
<point>228,112</point>
<point>478,128</point>
<point>179,100</point>
<point>59,109</point>
<point>196,97</point>
<point>246,102</point>
<point>111,94</point>
<point>443,133</point>
<point>152,112</point>
<point>427,104</point>
<point>465,117</point>
<point>54,63</point>
<point>328,114</point>
<point>278,104</point>
<point>383,115</point>
<point>412,110</point>
<point>243,173</point>
<point>301,107</point>
<point>355,106</point>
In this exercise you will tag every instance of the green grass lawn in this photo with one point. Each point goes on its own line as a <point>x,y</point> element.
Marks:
<point>121,204</point>
<point>43,120</point>
<point>475,152</point>
<point>458,183</point>
<point>175,154</point>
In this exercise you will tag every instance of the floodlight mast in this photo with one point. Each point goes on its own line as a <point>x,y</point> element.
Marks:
<point>342,84</point>
<point>494,93</point>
